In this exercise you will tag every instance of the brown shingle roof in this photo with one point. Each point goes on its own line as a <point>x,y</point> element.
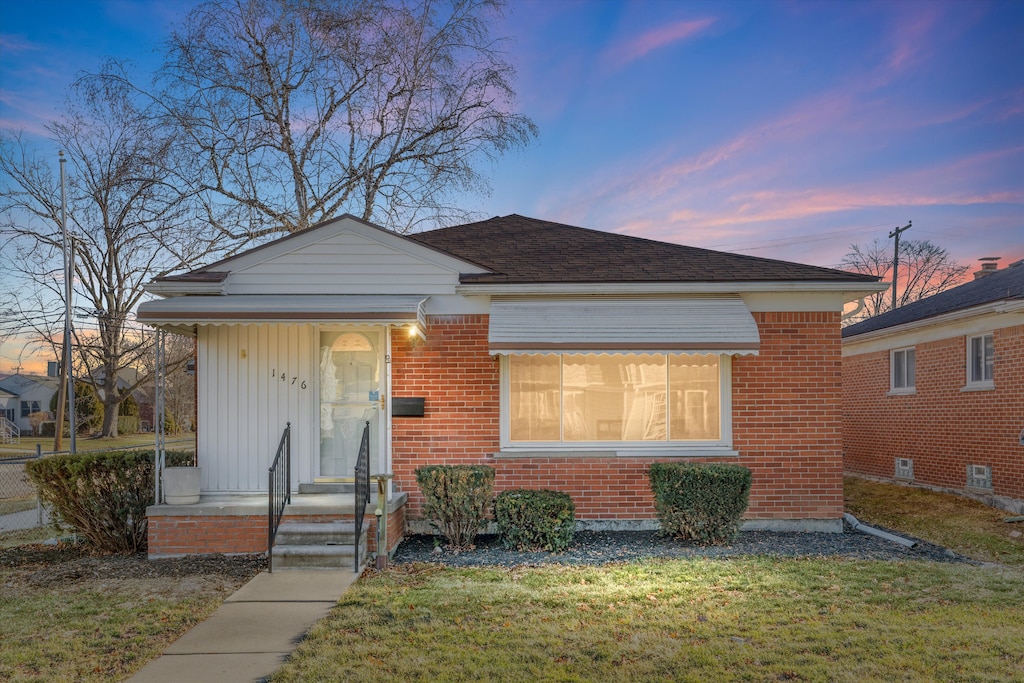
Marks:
<point>518,249</point>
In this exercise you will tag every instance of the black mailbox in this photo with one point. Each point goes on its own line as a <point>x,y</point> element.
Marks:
<point>407,407</point>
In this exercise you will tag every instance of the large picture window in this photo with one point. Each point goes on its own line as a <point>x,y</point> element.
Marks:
<point>578,398</point>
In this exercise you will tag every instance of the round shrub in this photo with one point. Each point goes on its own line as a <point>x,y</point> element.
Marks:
<point>700,502</point>
<point>456,500</point>
<point>535,519</point>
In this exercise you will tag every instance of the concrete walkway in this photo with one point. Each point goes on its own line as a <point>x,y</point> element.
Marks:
<point>252,633</point>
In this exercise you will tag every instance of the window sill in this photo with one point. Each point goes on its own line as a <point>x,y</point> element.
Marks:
<point>710,452</point>
<point>979,386</point>
<point>903,392</point>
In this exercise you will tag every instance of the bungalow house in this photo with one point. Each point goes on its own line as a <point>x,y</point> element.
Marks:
<point>26,395</point>
<point>9,430</point>
<point>563,357</point>
<point>933,392</point>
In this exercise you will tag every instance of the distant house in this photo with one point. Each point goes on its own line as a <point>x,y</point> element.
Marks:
<point>933,392</point>
<point>31,394</point>
<point>565,358</point>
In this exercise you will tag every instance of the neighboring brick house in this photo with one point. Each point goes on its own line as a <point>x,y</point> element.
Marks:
<point>565,358</point>
<point>933,392</point>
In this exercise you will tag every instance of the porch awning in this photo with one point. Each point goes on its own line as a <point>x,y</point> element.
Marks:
<point>179,311</point>
<point>716,324</point>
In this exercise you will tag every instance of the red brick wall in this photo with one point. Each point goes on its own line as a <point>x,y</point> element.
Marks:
<point>942,428</point>
<point>170,535</point>
<point>785,422</point>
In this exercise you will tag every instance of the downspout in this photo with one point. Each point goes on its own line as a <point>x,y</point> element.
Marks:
<point>864,528</point>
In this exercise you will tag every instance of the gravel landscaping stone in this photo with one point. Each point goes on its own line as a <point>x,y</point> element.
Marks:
<point>596,547</point>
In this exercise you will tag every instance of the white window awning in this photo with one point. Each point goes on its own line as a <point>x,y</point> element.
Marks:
<point>262,308</point>
<point>714,324</point>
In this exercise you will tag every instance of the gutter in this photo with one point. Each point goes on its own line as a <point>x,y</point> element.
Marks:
<point>864,528</point>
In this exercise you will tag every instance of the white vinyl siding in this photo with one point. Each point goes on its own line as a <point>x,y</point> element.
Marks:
<point>347,263</point>
<point>903,371</point>
<point>243,403</point>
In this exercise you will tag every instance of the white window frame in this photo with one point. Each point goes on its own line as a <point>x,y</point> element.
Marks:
<point>907,387</point>
<point>982,383</point>
<point>722,446</point>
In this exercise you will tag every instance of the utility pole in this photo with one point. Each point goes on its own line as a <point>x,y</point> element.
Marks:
<point>67,380</point>
<point>896,259</point>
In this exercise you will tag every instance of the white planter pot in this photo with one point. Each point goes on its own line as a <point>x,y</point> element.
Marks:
<point>181,485</point>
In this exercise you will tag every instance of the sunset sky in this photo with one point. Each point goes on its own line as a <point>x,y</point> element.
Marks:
<point>786,130</point>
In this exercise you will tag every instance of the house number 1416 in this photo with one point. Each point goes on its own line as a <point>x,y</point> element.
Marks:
<point>284,378</point>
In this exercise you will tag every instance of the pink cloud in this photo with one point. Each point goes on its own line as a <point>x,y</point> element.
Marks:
<point>655,39</point>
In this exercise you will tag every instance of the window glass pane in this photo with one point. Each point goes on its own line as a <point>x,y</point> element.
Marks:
<point>976,359</point>
<point>613,397</point>
<point>695,404</point>
<point>989,357</point>
<point>534,398</point>
<point>911,368</point>
<point>899,370</point>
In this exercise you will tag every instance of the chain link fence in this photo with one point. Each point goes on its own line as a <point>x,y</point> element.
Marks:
<point>23,517</point>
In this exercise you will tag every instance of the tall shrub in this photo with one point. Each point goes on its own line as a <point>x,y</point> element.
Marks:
<point>700,502</point>
<point>102,495</point>
<point>456,500</point>
<point>535,519</point>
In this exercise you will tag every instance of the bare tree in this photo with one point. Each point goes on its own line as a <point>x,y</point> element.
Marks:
<point>129,221</point>
<point>296,112</point>
<point>925,269</point>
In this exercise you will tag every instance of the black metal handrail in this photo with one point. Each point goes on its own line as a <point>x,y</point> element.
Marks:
<point>279,490</point>
<point>362,486</point>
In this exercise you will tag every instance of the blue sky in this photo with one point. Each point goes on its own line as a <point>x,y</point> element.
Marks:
<point>780,129</point>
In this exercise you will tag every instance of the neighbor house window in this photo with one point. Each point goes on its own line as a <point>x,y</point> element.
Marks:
<point>980,359</point>
<point>902,363</point>
<point>646,399</point>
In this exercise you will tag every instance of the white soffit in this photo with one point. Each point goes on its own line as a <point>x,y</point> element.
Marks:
<point>716,325</point>
<point>262,308</point>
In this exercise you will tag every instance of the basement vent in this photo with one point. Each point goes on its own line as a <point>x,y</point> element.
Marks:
<point>979,477</point>
<point>904,468</point>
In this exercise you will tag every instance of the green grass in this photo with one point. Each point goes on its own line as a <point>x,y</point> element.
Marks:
<point>87,444</point>
<point>693,620</point>
<point>961,524</point>
<point>9,506</point>
<point>90,635</point>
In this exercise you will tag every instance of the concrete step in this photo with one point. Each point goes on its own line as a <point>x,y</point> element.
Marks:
<point>324,487</point>
<point>316,533</point>
<point>316,557</point>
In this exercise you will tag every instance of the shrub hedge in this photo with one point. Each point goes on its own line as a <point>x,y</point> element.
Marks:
<point>535,519</point>
<point>457,499</point>
<point>700,502</point>
<point>102,495</point>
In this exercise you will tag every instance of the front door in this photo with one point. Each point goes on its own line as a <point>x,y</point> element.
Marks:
<point>351,388</point>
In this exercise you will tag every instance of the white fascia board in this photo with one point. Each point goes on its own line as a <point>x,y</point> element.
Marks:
<point>851,291</point>
<point>974,320</point>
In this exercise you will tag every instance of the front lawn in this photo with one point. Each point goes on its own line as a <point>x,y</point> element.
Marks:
<point>961,524</point>
<point>685,620</point>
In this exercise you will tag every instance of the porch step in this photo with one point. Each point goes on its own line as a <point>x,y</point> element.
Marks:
<point>317,545</point>
<point>316,533</point>
<point>339,487</point>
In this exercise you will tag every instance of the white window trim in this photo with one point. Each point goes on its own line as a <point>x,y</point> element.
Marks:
<point>893,389</point>
<point>982,384</point>
<point>625,449</point>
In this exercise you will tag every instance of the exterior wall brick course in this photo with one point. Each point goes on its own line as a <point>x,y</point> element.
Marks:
<point>940,427</point>
<point>786,423</point>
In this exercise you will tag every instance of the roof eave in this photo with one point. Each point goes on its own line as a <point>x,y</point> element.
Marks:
<point>851,290</point>
<point>1002,306</point>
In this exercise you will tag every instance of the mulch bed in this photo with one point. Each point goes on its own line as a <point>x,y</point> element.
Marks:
<point>593,547</point>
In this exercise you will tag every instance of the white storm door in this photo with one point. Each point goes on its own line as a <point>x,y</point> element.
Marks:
<point>351,388</point>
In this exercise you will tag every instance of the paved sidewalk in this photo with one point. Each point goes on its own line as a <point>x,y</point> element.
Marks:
<point>253,632</point>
